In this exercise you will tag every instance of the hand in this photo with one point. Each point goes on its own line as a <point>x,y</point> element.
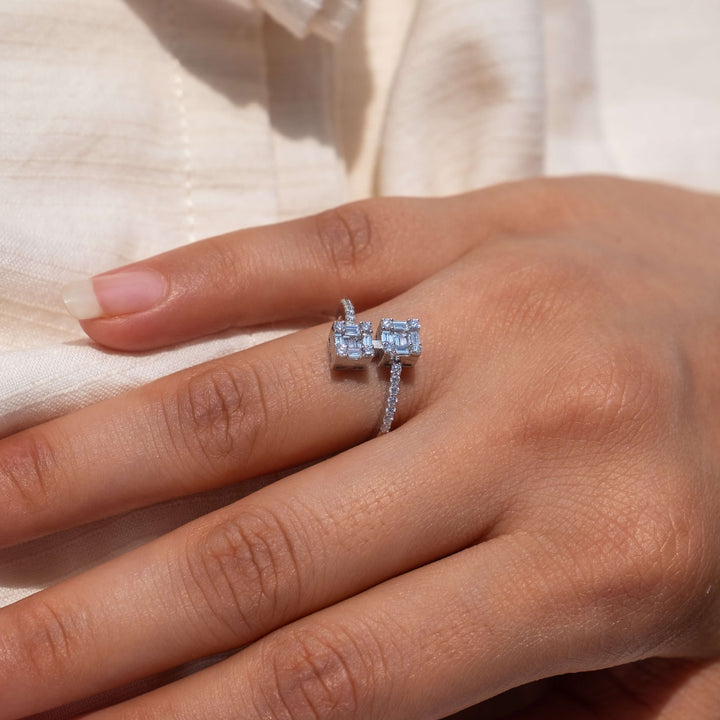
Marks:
<point>547,504</point>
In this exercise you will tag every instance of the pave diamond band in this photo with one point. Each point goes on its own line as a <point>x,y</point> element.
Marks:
<point>351,347</point>
<point>348,309</point>
<point>392,398</point>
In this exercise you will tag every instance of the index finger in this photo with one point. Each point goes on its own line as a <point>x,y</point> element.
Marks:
<point>370,251</point>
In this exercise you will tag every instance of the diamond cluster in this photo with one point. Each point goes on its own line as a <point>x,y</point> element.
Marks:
<point>400,341</point>
<point>351,345</point>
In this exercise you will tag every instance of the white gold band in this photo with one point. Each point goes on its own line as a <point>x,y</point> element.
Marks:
<point>392,398</point>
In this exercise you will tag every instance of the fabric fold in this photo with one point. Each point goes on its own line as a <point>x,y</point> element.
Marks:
<point>467,106</point>
<point>326,18</point>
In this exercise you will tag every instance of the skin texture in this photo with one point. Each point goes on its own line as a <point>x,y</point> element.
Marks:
<point>545,511</point>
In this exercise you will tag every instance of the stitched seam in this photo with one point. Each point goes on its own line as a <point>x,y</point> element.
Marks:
<point>178,85</point>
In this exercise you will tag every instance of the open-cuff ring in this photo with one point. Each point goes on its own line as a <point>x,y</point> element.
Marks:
<point>351,346</point>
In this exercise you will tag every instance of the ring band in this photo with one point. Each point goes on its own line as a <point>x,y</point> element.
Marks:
<point>348,309</point>
<point>392,398</point>
<point>397,344</point>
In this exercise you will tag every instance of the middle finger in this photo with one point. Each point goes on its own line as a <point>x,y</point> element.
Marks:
<point>271,407</point>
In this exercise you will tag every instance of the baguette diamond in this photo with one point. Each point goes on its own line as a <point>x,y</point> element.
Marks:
<point>350,343</point>
<point>399,341</point>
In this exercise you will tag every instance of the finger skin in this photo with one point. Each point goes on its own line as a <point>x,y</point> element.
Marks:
<point>422,645</point>
<point>227,579</point>
<point>208,426</point>
<point>369,251</point>
<point>657,689</point>
<point>268,408</point>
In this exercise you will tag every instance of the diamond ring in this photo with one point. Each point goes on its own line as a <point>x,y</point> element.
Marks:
<point>397,344</point>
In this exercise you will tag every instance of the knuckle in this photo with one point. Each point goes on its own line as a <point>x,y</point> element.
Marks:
<point>217,414</point>
<point>539,205</point>
<point>347,237</point>
<point>322,675</point>
<point>601,394</point>
<point>531,290</point>
<point>641,562</point>
<point>638,545</point>
<point>50,639</point>
<point>28,470</point>
<point>244,571</point>
<point>221,263</point>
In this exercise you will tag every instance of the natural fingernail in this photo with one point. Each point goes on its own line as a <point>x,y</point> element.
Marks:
<point>119,293</point>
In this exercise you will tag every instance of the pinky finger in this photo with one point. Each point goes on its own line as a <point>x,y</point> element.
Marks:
<point>658,688</point>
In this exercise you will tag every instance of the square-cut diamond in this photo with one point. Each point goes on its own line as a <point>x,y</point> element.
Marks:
<point>399,340</point>
<point>350,345</point>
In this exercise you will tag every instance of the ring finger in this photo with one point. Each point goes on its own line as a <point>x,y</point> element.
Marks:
<point>267,408</point>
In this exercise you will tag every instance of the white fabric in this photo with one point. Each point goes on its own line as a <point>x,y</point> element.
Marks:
<point>129,127</point>
<point>468,99</point>
<point>660,88</point>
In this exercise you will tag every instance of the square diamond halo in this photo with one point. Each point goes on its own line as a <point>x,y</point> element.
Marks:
<point>350,345</point>
<point>399,340</point>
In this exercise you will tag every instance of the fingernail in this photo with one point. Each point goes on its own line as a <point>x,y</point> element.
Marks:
<point>121,293</point>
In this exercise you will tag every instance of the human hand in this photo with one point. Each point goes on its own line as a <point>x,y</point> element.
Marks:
<point>547,504</point>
